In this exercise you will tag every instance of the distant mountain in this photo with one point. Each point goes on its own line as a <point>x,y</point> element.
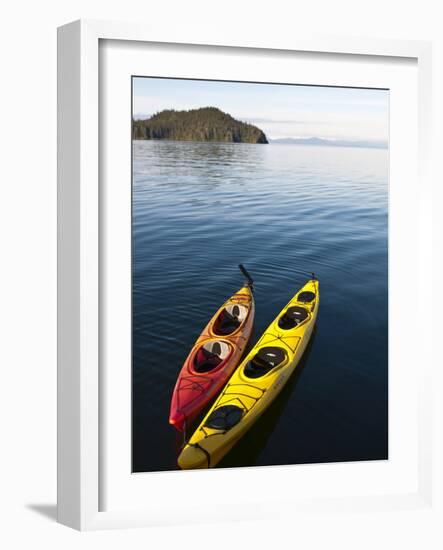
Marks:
<point>332,142</point>
<point>205,124</point>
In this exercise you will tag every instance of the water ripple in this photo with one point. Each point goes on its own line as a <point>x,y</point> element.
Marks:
<point>199,209</point>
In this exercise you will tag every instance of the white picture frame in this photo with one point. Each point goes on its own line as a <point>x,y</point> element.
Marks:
<point>79,253</point>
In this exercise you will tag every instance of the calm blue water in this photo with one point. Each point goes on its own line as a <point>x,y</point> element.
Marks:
<point>199,209</point>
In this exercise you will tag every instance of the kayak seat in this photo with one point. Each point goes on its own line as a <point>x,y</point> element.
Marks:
<point>264,361</point>
<point>306,297</point>
<point>292,317</point>
<point>210,356</point>
<point>230,319</point>
<point>224,417</point>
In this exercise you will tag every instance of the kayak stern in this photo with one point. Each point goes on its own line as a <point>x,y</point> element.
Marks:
<point>193,457</point>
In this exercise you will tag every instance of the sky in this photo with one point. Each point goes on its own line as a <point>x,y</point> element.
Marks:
<point>280,110</point>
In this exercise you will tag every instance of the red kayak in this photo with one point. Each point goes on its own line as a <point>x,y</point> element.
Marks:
<point>214,357</point>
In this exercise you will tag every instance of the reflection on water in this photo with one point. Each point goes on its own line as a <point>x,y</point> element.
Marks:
<point>199,209</point>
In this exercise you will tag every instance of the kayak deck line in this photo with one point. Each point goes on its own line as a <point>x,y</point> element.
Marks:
<point>282,339</point>
<point>207,455</point>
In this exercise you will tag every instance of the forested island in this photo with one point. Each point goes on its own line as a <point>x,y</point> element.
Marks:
<point>205,124</point>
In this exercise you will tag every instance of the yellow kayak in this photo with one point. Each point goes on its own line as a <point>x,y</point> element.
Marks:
<point>256,382</point>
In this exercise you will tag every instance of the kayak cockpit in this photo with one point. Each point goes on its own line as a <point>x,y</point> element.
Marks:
<point>230,319</point>
<point>224,417</point>
<point>292,317</point>
<point>211,355</point>
<point>264,361</point>
<point>305,296</point>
